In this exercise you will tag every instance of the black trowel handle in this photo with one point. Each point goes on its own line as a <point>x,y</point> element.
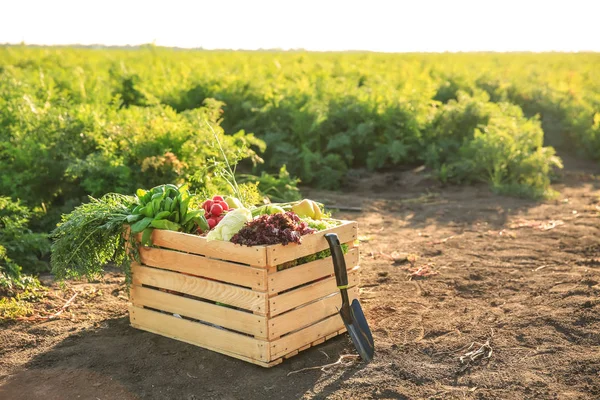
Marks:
<point>339,263</point>
<point>339,266</point>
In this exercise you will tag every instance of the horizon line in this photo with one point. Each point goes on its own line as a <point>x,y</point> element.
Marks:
<point>276,49</point>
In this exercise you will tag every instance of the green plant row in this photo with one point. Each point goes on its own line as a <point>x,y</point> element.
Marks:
<point>81,122</point>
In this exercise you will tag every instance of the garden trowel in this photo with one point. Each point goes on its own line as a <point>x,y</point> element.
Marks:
<point>352,314</point>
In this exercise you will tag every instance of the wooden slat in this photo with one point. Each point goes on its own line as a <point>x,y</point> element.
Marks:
<point>204,288</point>
<point>238,274</point>
<point>297,297</point>
<point>207,312</point>
<point>315,343</point>
<point>304,347</point>
<point>255,255</point>
<point>278,254</point>
<point>290,355</point>
<point>304,316</point>
<point>198,334</point>
<point>296,276</point>
<point>306,336</point>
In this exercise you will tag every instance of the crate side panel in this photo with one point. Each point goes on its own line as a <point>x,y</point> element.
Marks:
<point>207,312</point>
<point>296,276</point>
<point>198,334</point>
<point>306,336</point>
<point>200,287</point>
<point>255,255</point>
<point>306,294</point>
<point>307,315</point>
<point>177,261</point>
<point>279,254</point>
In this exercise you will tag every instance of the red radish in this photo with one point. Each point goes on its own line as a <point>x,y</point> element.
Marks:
<point>216,210</point>
<point>212,222</point>
<point>217,198</point>
<point>224,205</point>
<point>207,205</point>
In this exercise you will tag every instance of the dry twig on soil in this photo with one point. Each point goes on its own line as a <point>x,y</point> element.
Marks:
<point>422,272</point>
<point>50,316</point>
<point>443,240</point>
<point>323,367</point>
<point>64,307</point>
<point>484,351</point>
<point>400,258</point>
<point>543,226</point>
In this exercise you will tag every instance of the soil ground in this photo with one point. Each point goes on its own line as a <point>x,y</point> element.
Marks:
<point>523,276</point>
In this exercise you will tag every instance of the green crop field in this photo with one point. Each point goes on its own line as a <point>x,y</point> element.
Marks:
<point>79,122</point>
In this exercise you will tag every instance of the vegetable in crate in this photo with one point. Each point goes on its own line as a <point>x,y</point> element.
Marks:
<point>321,224</point>
<point>165,207</point>
<point>308,208</point>
<point>277,228</point>
<point>233,202</point>
<point>231,223</point>
<point>267,209</point>
<point>304,209</point>
<point>214,210</point>
<point>92,236</point>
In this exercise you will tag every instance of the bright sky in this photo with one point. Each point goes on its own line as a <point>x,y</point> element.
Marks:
<point>388,25</point>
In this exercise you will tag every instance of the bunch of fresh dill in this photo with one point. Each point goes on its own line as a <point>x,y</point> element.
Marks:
<point>92,236</point>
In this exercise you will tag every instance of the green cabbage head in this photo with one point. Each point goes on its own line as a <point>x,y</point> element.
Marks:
<point>231,224</point>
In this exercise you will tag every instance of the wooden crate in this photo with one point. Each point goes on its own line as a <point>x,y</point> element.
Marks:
<point>232,299</point>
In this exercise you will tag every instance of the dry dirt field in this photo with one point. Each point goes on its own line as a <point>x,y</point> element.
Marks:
<point>520,276</point>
